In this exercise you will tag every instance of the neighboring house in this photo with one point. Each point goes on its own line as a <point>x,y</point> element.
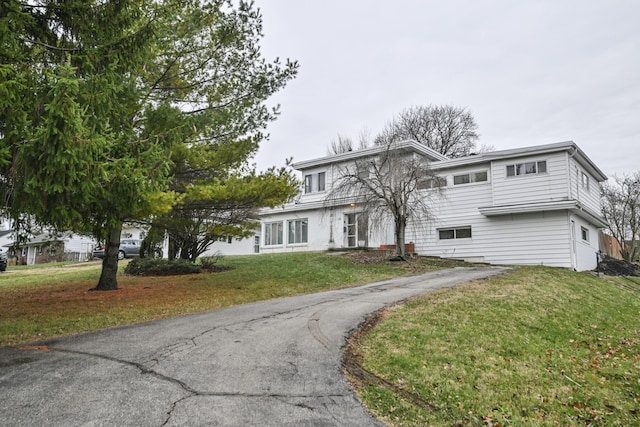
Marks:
<point>532,206</point>
<point>50,247</point>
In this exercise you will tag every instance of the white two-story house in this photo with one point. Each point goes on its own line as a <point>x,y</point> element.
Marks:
<point>533,206</point>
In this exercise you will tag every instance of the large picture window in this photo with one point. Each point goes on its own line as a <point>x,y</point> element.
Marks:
<point>298,231</point>
<point>527,168</point>
<point>454,233</point>
<point>273,233</point>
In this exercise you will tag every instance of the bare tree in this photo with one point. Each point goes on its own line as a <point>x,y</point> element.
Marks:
<point>341,144</point>
<point>621,210</point>
<point>451,131</point>
<point>386,184</point>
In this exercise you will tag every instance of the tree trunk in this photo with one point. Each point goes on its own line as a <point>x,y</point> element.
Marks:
<point>400,229</point>
<point>109,275</point>
<point>171,249</point>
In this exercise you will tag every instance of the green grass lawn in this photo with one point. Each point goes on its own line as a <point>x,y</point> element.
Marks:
<point>537,347</point>
<point>55,300</point>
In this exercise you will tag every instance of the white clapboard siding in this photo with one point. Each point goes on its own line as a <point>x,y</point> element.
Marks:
<point>588,197</point>
<point>586,251</point>
<point>544,187</point>
<point>530,239</point>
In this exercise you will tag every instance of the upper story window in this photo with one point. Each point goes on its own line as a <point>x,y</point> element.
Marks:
<point>314,182</point>
<point>321,181</point>
<point>584,180</point>
<point>468,178</point>
<point>434,182</point>
<point>527,168</point>
<point>308,183</point>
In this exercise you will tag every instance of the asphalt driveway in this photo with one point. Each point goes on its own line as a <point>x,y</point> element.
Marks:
<point>273,363</point>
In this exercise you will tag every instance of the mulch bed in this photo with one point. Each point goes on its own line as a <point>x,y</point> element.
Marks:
<point>369,257</point>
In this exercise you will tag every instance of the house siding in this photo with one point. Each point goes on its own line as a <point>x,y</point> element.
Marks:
<point>545,187</point>
<point>317,235</point>
<point>588,197</point>
<point>326,230</point>
<point>540,238</point>
<point>236,247</point>
<point>585,251</point>
<point>534,220</point>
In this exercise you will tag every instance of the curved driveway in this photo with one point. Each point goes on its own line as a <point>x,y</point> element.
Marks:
<point>272,363</point>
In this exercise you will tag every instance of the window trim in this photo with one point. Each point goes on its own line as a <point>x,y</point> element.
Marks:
<point>520,169</point>
<point>303,238</point>
<point>308,183</point>
<point>315,182</point>
<point>455,231</point>
<point>428,183</point>
<point>584,234</point>
<point>584,180</point>
<point>472,177</point>
<point>268,233</point>
<point>322,181</point>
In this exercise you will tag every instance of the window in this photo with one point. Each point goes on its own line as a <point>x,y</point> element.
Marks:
<point>455,233</point>
<point>470,177</point>
<point>273,233</point>
<point>461,179</point>
<point>308,181</point>
<point>584,180</point>
<point>314,182</point>
<point>438,181</point>
<point>527,168</point>
<point>321,181</point>
<point>363,173</point>
<point>298,230</point>
<point>585,234</point>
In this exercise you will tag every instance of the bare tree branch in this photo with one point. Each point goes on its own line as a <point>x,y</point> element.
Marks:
<point>386,186</point>
<point>621,210</point>
<point>451,131</point>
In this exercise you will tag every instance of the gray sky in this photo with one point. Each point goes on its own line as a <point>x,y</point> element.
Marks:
<point>531,72</point>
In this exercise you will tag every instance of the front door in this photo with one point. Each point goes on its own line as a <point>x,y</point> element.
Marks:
<point>356,230</point>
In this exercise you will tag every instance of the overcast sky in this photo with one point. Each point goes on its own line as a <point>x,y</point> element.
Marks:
<point>531,72</point>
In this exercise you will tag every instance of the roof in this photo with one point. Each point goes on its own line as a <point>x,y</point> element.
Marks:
<point>573,205</point>
<point>43,238</point>
<point>441,162</point>
<point>568,146</point>
<point>409,145</point>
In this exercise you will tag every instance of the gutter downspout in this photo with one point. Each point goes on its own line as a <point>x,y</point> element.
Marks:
<point>571,221</point>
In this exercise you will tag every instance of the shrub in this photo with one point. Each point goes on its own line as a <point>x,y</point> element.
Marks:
<point>160,267</point>
<point>208,263</point>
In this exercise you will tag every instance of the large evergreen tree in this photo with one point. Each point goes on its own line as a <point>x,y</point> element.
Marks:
<point>102,101</point>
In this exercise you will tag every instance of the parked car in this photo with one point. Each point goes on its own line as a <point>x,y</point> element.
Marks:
<point>3,260</point>
<point>129,248</point>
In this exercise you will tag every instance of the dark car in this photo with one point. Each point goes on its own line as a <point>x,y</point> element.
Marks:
<point>129,248</point>
<point>3,260</point>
